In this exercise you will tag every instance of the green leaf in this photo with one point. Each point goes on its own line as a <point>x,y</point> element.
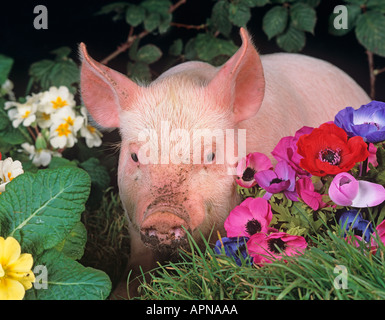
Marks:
<point>377,5</point>
<point>303,17</point>
<point>208,47</point>
<point>148,54</point>
<point>255,3</point>
<point>69,280</point>
<point>5,67</point>
<point>112,7</point>
<point>176,48</point>
<point>152,21</point>
<point>41,209</point>
<point>353,12</point>
<point>139,71</point>
<point>275,21</point>
<point>311,3</point>
<point>73,244</point>
<point>293,40</point>
<point>98,173</point>
<point>61,53</point>
<point>220,17</point>
<point>370,32</point>
<point>135,15</point>
<point>239,14</point>
<point>157,6</point>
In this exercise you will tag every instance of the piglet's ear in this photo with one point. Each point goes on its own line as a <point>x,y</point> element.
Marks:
<point>240,81</point>
<point>104,91</point>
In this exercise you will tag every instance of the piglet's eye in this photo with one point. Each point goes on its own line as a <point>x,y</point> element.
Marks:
<point>210,157</point>
<point>134,157</point>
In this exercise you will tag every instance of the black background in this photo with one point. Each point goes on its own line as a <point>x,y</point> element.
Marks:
<point>71,22</point>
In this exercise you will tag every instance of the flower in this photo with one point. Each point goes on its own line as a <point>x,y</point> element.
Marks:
<point>251,216</point>
<point>286,150</point>
<point>305,190</point>
<point>56,98</point>
<point>352,220</point>
<point>24,113</point>
<point>40,157</point>
<point>249,165</point>
<point>367,122</point>
<point>9,170</point>
<point>15,270</point>
<point>345,190</point>
<point>235,248</point>
<point>327,150</point>
<point>282,179</point>
<point>266,248</point>
<point>90,133</point>
<point>65,125</point>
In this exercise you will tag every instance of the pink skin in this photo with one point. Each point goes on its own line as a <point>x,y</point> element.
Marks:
<point>269,96</point>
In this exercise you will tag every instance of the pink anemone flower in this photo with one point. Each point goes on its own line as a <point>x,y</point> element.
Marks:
<point>249,165</point>
<point>253,215</point>
<point>275,246</point>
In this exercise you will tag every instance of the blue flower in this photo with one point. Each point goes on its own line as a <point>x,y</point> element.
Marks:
<point>367,122</point>
<point>352,220</point>
<point>235,248</point>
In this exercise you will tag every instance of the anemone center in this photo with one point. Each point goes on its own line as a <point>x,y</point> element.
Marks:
<point>276,245</point>
<point>375,124</point>
<point>331,156</point>
<point>253,226</point>
<point>248,174</point>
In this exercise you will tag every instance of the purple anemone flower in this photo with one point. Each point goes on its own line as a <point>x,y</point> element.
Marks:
<point>235,248</point>
<point>367,122</point>
<point>282,179</point>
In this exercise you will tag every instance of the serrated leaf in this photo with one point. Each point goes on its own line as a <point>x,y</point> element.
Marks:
<point>208,47</point>
<point>220,17</point>
<point>149,54</point>
<point>370,32</point>
<point>139,71</point>
<point>69,280</point>
<point>61,52</point>
<point>73,244</point>
<point>353,12</point>
<point>41,209</point>
<point>275,21</point>
<point>255,3</point>
<point>135,15</point>
<point>5,67</point>
<point>303,17</point>
<point>176,48</point>
<point>239,14</point>
<point>152,21</point>
<point>293,40</point>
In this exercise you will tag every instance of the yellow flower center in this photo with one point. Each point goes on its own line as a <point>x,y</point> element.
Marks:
<point>26,114</point>
<point>63,130</point>
<point>46,116</point>
<point>91,129</point>
<point>59,103</point>
<point>70,121</point>
<point>9,174</point>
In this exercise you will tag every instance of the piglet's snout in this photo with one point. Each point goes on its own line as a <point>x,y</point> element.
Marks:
<point>163,228</point>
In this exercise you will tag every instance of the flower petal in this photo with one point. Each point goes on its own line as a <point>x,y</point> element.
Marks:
<point>369,195</point>
<point>11,289</point>
<point>10,251</point>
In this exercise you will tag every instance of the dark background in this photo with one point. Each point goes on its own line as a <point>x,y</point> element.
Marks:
<point>71,22</point>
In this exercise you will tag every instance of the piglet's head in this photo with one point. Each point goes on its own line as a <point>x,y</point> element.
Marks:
<point>178,134</point>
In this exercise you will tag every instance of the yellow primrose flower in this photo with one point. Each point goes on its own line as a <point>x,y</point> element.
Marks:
<point>16,275</point>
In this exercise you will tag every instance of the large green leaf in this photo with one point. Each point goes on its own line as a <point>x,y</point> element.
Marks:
<point>370,32</point>
<point>67,279</point>
<point>293,40</point>
<point>208,47</point>
<point>149,53</point>
<point>239,14</point>
<point>220,17</point>
<point>40,209</point>
<point>135,15</point>
<point>303,17</point>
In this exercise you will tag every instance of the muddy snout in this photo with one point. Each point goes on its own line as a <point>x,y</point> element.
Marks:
<point>164,230</point>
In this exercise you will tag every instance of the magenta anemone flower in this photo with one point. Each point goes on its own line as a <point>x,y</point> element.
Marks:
<point>282,179</point>
<point>249,165</point>
<point>345,190</point>
<point>286,150</point>
<point>305,190</point>
<point>275,246</point>
<point>251,216</point>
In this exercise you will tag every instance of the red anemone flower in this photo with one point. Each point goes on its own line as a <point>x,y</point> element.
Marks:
<point>327,150</point>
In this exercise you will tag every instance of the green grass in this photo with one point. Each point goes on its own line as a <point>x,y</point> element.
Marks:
<point>207,276</point>
<point>204,275</point>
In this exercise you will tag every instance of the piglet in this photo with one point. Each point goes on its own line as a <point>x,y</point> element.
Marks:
<point>183,133</point>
